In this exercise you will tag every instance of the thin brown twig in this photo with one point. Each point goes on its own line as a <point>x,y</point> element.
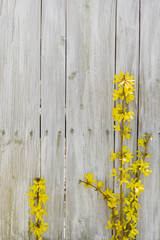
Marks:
<point>37,223</point>
<point>121,190</point>
<point>98,190</point>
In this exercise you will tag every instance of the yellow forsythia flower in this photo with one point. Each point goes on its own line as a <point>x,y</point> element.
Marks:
<point>99,185</point>
<point>89,180</point>
<point>124,79</point>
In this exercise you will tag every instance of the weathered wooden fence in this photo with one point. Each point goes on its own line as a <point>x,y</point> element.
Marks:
<point>103,37</point>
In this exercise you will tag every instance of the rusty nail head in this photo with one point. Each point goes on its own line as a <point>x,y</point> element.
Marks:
<point>3,132</point>
<point>72,130</point>
<point>107,131</point>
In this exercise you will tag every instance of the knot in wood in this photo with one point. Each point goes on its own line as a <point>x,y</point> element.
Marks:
<point>89,130</point>
<point>31,133</point>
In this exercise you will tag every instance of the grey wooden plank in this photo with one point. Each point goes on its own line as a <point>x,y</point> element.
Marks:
<point>127,58</point>
<point>53,112</point>
<point>19,114</point>
<point>90,67</point>
<point>149,115</point>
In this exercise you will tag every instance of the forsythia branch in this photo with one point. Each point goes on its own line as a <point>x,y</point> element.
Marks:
<point>124,223</point>
<point>37,201</point>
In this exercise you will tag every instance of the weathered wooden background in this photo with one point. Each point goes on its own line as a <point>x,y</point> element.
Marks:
<point>66,53</point>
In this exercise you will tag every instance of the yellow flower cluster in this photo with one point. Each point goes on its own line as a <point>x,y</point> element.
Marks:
<point>124,215</point>
<point>37,201</point>
<point>125,156</point>
<point>119,115</point>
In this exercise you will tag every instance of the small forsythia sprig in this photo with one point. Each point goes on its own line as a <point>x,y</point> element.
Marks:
<point>124,206</point>
<point>37,201</point>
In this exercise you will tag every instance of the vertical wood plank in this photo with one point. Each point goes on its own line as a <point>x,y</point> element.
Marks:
<point>90,66</point>
<point>19,114</point>
<point>149,115</point>
<point>127,54</point>
<point>127,59</point>
<point>53,112</point>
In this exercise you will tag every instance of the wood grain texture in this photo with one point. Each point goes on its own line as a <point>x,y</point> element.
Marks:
<point>90,66</point>
<point>19,114</point>
<point>127,59</point>
<point>53,112</point>
<point>149,115</point>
